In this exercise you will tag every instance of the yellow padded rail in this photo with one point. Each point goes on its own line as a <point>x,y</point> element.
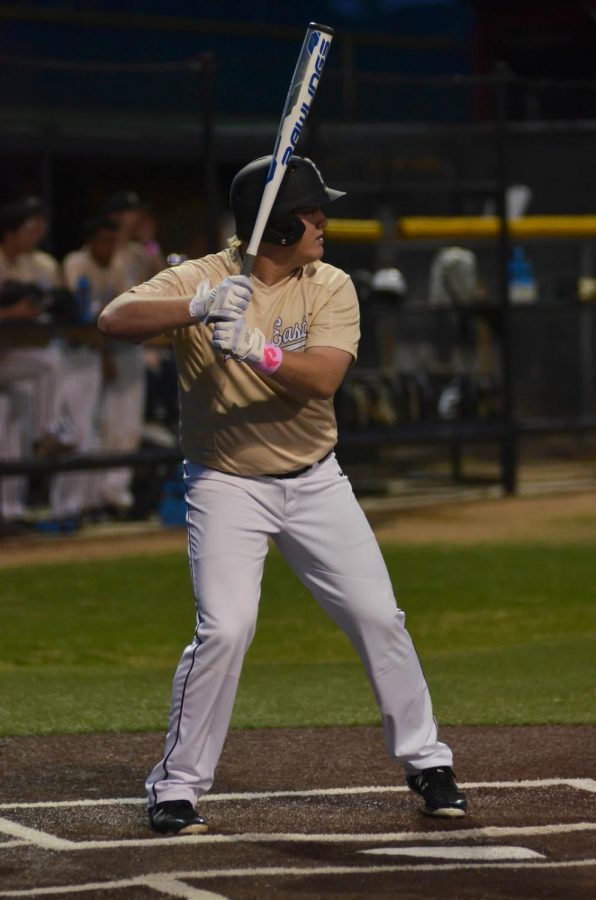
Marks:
<point>365,230</point>
<point>461,227</point>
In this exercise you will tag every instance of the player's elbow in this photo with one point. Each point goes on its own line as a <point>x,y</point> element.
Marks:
<point>111,321</point>
<point>326,394</point>
<point>105,322</point>
<point>327,369</point>
<point>324,388</point>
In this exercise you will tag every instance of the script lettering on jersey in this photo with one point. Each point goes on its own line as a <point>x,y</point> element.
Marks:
<point>313,83</point>
<point>290,337</point>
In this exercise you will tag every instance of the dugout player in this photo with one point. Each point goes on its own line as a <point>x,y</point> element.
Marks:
<point>259,360</point>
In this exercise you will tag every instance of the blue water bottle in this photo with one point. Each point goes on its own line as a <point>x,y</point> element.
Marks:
<point>83,298</point>
<point>522,282</point>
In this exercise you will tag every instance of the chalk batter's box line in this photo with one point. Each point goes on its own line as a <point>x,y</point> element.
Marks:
<point>173,884</point>
<point>23,834</point>
<point>581,784</point>
<point>45,841</point>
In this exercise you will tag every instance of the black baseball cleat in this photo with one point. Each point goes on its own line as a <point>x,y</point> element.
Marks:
<point>441,795</point>
<point>176,817</point>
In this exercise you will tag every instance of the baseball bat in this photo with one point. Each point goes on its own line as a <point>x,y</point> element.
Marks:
<point>301,92</point>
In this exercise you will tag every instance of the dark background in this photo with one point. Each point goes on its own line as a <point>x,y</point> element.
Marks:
<point>171,99</point>
<point>76,135</point>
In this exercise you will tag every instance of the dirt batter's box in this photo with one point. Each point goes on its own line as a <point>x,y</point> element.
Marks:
<point>236,861</point>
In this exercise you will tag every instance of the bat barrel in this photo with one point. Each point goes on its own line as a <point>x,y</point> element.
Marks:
<point>303,86</point>
<point>316,27</point>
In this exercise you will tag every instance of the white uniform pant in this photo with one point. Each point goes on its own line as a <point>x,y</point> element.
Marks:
<point>323,534</point>
<point>73,492</point>
<point>13,489</point>
<point>42,368</point>
<point>29,383</point>
<point>122,414</point>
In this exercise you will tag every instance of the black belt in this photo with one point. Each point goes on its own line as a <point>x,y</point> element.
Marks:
<point>301,471</point>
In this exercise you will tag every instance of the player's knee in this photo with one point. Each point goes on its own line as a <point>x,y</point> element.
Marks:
<point>383,619</point>
<point>231,636</point>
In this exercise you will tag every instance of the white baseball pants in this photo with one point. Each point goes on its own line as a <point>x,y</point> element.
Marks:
<point>323,534</point>
<point>13,489</point>
<point>29,383</point>
<point>122,414</point>
<point>41,368</point>
<point>80,387</point>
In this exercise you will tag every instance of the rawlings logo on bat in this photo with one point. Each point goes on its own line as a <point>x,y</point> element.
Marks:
<point>313,84</point>
<point>321,46</point>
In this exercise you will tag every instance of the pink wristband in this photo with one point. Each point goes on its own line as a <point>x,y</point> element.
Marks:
<point>272,357</point>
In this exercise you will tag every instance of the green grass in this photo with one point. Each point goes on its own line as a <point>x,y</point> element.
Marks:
<point>505,634</point>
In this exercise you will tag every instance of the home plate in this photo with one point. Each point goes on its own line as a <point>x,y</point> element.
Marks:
<point>476,854</point>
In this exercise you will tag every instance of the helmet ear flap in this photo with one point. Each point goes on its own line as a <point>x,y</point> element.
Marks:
<point>284,232</point>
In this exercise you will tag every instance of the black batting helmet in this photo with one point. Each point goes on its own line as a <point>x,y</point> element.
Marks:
<point>302,186</point>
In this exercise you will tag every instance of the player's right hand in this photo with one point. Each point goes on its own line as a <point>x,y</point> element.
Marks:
<point>238,340</point>
<point>225,302</point>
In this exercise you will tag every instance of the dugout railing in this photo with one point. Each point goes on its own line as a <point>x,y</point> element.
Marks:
<point>507,426</point>
<point>500,96</point>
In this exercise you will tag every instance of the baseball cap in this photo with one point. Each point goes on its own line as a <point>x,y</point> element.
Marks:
<point>12,215</point>
<point>121,201</point>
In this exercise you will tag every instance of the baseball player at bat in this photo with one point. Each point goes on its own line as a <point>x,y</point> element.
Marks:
<point>259,360</point>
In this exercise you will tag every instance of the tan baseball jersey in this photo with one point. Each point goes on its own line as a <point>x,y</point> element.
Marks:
<point>37,267</point>
<point>135,263</point>
<point>105,281</point>
<point>233,419</point>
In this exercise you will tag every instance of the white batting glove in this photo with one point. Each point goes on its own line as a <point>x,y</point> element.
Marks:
<point>237,339</point>
<point>225,302</point>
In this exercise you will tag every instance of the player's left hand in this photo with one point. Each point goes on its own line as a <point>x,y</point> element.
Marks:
<point>225,302</point>
<point>239,340</point>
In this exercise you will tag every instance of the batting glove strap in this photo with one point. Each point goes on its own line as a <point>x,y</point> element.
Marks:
<point>226,302</point>
<point>199,305</point>
<point>237,339</point>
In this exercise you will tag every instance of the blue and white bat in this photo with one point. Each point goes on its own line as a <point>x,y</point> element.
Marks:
<point>301,92</point>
